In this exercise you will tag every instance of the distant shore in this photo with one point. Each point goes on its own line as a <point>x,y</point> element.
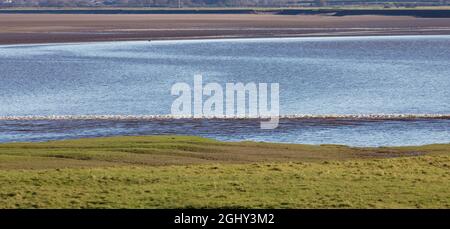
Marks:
<point>421,11</point>
<point>30,28</point>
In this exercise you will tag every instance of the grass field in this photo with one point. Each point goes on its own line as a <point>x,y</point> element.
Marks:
<point>192,172</point>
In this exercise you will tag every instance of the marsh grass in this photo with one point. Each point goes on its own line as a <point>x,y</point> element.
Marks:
<point>192,172</point>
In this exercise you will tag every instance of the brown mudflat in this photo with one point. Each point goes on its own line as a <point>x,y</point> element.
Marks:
<point>48,28</point>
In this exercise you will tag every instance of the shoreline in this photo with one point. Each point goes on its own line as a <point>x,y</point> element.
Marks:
<point>187,38</point>
<point>73,28</point>
<point>218,38</point>
<point>338,129</point>
<point>421,11</point>
<point>387,149</point>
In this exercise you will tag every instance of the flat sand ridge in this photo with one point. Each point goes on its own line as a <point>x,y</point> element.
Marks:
<point>52,28</point>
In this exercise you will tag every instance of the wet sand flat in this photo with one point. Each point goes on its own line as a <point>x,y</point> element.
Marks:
<point>48,28</point>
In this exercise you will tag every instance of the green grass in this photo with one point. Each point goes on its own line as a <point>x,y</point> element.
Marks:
<point>192,172</point>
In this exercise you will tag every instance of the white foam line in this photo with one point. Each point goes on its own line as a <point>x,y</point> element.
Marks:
<point>174,117</point>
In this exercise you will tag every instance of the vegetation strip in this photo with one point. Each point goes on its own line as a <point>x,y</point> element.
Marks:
<point>193,172</point>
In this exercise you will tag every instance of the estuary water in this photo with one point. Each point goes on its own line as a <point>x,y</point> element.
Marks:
<point>362,91</point>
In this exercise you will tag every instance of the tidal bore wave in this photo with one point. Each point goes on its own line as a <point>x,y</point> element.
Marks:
<point>237,117</point>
